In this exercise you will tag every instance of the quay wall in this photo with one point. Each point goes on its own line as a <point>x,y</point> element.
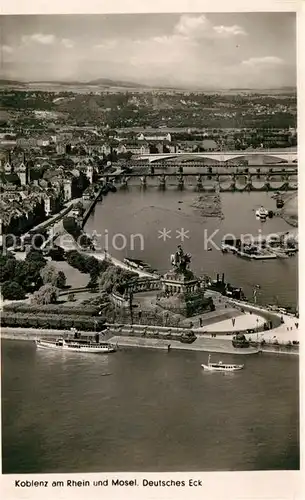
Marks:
<point>16,333</point>
<point>90,208</point>
<point>124,339</point>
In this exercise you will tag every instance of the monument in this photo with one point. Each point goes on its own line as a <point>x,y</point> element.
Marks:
<point>182,292</point>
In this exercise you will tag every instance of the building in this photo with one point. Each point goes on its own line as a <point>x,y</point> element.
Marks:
<point>155,136</point>
<point>15,172</point>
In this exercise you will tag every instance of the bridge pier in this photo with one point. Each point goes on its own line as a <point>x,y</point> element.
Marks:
<point>180,183</point>
<point>233,184</point>
<point>199,185</point>
<point>162,182</point>
<point>144,182</point>
<point>124,182</point>
<point>249,185</point>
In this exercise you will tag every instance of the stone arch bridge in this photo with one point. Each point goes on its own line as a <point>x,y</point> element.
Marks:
<point>235,181</point>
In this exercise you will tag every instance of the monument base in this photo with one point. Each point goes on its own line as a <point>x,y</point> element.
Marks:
<point>187,304</point>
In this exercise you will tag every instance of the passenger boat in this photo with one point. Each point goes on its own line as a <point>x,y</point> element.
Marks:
<point>76,345</point>
<point>262,213</point>
<point>221,367</point>
<point>138,264</point>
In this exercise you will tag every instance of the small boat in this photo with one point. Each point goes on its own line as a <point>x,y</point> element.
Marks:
<point>112,187</point>
<point>262,213</point>
<point>76,345</point>
<point>221,367</point>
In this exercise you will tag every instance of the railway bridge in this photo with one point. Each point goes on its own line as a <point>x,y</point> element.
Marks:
<point>287,155</point>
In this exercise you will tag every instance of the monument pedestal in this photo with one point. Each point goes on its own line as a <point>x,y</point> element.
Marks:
<point>183,293</point>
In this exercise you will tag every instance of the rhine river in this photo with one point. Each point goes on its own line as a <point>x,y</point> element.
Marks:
<point>134,211</point>
<point>144,410</point>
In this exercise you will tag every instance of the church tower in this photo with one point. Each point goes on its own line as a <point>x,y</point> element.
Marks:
<point>89,173</point>
<point>22,172</point>
<point>8,167</point>
<point>67,189</point>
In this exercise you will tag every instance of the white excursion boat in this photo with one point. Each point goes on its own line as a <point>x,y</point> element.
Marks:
<point>221,367</point>
<point>262,213</point>
<point>76,345</point>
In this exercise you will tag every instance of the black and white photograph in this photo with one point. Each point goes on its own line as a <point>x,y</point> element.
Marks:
<point>149,245</point>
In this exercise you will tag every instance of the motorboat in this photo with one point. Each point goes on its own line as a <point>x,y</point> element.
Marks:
<point>220,366</point>
<point>76,345</point>
<point>262,213</point>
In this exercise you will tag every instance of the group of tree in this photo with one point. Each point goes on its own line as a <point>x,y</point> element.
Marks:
<point>86,264</point>
<point>72,227</point>
<point>34,274</point>
<point>47,294</point>
<point>50,275</point>
<point>114,278</point>
<point>102,273</point>
<point>19,277</point>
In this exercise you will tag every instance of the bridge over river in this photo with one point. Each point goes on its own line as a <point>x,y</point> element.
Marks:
<point>288,155</point>
<point>279,180</point>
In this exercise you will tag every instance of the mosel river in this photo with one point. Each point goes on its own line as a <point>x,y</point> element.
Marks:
<point>145,410</point>
<point>135,212</point>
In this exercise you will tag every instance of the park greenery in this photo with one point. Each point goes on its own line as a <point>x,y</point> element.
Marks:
<point>52,321</point>
<point>72,227</point>
<point>47,294</point>
<point>114,278</point>
<point>17,278</point>
<point>102,273</point>
<point>50,275</point>
<point>34,275</point>
<point>57,309</point>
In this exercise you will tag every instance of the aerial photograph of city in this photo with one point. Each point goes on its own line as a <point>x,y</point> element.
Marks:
<point>149,243</point>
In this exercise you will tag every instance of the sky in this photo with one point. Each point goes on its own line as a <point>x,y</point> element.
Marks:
<point>233,50</point>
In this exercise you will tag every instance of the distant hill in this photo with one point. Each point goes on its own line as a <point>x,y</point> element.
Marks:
<point>106,82</point>
<point>11,82</point>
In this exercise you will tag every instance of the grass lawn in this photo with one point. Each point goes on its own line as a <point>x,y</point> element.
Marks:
<point>75,279</point>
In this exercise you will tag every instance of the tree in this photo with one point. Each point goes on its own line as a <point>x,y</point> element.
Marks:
<point>86,264</point>
<point>51,275</point>
<point>57,253</point>
<point>47,294</point>
<point>27,274</point>
<point>70,225</point>
<point>36,257</point>
<point>153,149</point>
<point>7,267</point>
<point>11,290</point>
<point>48,274</point>
<point>61,280</point>
<point>114,277</point>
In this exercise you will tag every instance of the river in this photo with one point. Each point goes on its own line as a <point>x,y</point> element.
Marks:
<point>144,410</point>
<point>134,211</point>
